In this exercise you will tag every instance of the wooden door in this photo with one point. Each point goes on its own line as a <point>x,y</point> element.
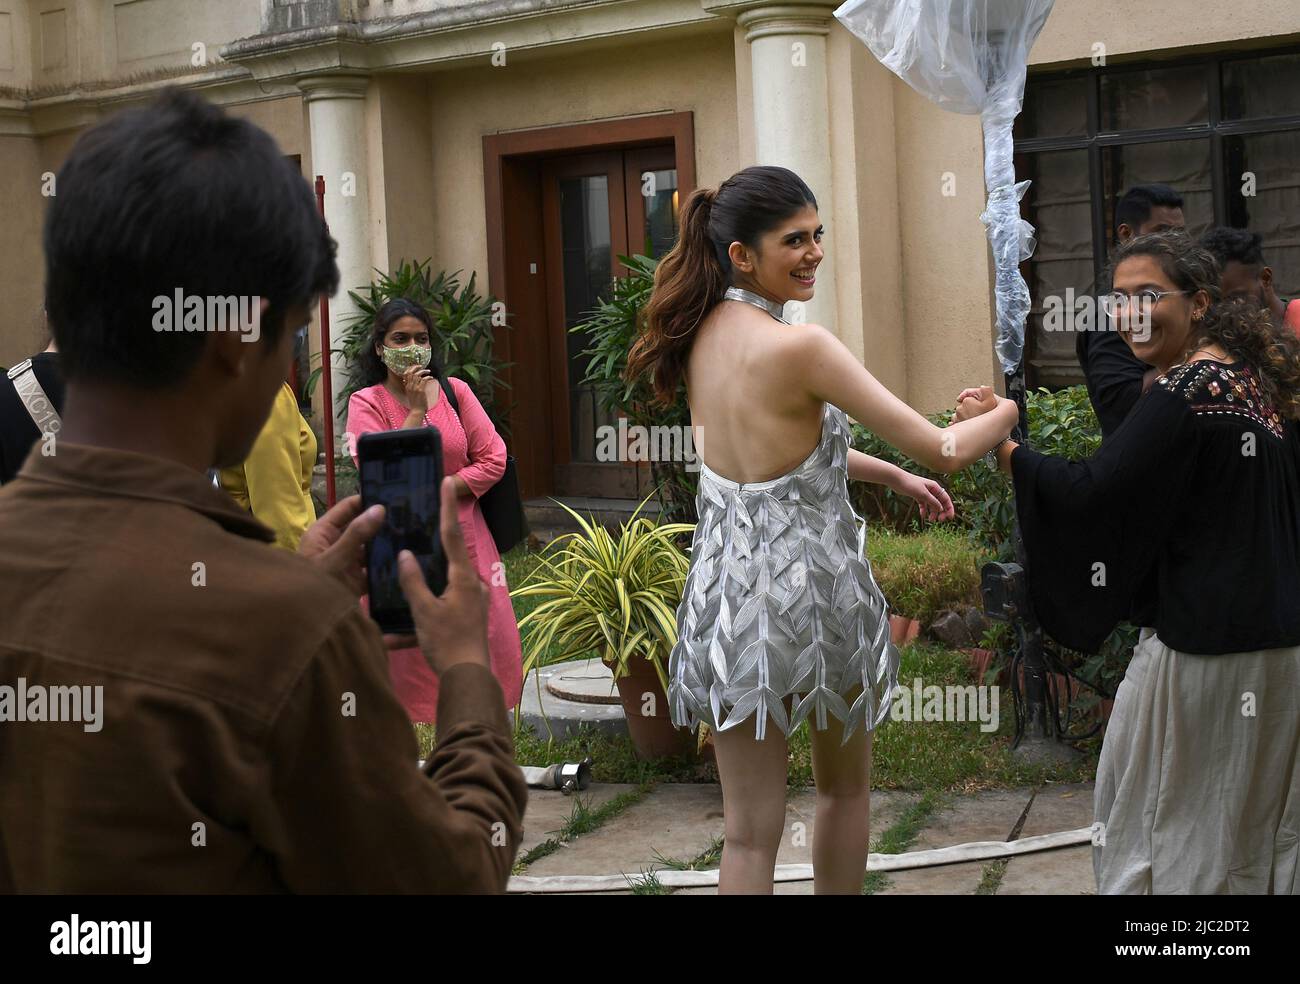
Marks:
<point>596,207</point>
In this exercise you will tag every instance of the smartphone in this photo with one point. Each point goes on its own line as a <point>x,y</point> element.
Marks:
<point>401,470</point>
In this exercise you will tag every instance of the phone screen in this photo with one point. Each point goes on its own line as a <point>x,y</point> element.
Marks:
<point>402,471</point>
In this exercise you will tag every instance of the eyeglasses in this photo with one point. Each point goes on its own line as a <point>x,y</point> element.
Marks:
<point>1117,301</point>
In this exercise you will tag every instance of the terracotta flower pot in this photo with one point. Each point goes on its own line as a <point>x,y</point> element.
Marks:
<point>980,661</point>
<point>653,735</point>
<point>903,630</point>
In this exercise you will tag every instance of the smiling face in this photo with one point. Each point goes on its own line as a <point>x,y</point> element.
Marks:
<point>1157,336</point>
<point>782,265</point>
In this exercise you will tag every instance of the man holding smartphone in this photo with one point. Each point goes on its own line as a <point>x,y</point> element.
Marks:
<point>234,728</point>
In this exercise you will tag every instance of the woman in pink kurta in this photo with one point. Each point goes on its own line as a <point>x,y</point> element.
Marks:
<point>472,450</point>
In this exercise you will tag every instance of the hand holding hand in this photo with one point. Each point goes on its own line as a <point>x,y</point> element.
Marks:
<point>975,401</point>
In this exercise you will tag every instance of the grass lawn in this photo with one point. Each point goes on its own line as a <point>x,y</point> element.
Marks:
<point>926,755</point>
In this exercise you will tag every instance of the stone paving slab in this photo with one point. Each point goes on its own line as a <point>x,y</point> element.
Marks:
<point>678,820</point>
<point>1067,871</point>
<point>983,816</point>
<point>1058,806</point>
<point>548,809</point>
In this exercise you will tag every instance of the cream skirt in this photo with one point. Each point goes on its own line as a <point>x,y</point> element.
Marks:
<point>1198,787</point>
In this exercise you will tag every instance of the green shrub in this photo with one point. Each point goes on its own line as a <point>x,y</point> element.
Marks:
<point>926,573</point>
<point>1060,423</point>
<point>462,322</point>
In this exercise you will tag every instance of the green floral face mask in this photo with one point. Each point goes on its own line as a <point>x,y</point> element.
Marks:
<point>402,358</point>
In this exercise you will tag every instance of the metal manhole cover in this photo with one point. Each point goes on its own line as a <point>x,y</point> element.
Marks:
<point>583,681</point>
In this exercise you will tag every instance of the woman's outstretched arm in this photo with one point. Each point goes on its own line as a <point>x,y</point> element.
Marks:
<point>835,375</point>
<point>933,498</point>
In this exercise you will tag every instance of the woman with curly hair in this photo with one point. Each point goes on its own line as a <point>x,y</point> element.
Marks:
<point>1186,523</point>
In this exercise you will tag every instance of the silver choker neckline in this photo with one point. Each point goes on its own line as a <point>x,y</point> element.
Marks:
<point>749,297</point>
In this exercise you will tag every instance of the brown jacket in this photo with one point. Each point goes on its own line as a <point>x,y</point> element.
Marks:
<point>224,759</point>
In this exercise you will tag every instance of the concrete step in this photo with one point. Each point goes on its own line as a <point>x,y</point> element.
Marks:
<point>547,520</point>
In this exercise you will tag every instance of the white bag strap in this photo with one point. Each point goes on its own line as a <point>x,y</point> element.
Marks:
<point>34,399</point>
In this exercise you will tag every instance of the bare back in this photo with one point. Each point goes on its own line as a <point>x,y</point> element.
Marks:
<point>757,418</point>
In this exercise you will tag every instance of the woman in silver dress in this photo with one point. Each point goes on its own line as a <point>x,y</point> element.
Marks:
<point>780,619</point>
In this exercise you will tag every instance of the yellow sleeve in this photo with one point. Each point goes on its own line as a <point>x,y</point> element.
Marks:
<point>273,471</point>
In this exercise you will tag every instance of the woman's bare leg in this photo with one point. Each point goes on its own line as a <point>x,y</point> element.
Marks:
<point>842,832</point>
<point>753,775</point>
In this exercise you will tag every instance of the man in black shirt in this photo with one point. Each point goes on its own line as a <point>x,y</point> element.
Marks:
<point>18,431</point>
<point>1115,377</point>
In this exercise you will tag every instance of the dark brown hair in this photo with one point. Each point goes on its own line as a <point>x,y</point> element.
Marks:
<point>1246,329</point>
<point>692,277</point>
<point>1239,326</point>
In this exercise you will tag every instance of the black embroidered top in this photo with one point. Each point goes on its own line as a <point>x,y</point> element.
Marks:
<point>1187,519</point>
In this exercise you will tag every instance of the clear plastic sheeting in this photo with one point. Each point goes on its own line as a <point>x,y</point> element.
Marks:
<point>969,56</point>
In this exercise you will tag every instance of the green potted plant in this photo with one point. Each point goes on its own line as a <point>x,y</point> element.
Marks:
<point>612,328</point>
<point>614,595</point>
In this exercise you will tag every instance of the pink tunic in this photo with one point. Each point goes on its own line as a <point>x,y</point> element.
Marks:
<point>477,454</point>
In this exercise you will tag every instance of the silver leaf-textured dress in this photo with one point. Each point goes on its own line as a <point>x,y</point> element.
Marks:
<point>779,599</point>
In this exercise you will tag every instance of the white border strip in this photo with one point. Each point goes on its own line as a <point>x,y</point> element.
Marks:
<point>973,851</point>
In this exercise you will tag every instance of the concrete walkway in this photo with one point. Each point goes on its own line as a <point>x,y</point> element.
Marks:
<point>681,821</point>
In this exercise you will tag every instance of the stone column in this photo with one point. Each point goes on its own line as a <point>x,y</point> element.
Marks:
<point>791,112</point>
<point>336,111</point>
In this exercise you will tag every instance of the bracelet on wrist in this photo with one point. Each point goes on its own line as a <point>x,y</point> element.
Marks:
<point>992,455</point>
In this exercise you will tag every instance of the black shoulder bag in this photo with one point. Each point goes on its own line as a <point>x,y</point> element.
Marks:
<point>502,505</point>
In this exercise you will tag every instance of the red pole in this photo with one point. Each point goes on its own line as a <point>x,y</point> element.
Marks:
<point>328,388</point>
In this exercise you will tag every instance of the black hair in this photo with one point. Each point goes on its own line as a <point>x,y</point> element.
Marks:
<point>692,277</point>
<point>1134,207</point>
<point>174,195</point>
<point>371,368</point>
<point>1231,245</point>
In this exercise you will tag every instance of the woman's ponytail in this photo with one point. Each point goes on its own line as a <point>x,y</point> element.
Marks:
<point>695,274</point>
<point>689,281</point>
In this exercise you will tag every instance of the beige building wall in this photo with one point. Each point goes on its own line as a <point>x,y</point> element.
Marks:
<point>911,263</point>
<point>22,270</point>
<point>1159,30</point>
<point>696,74</point>
<point>946,264</point>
